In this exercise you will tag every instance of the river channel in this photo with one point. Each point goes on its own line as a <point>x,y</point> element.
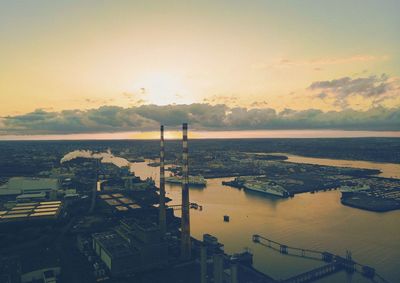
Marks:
<point>314,221</point>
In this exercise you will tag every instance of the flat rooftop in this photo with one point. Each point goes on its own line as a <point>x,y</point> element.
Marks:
<point>119,202</point>
<point>144,225</point>
<point>31,210</point>
<point>113,244</point>
<point>21,183</point>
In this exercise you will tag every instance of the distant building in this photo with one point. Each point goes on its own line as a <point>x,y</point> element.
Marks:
<point>31,197</point>
<point>136,184</point>
<point>27,185</point>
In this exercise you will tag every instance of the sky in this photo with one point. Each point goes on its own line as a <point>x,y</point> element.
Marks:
<point>106,66</point>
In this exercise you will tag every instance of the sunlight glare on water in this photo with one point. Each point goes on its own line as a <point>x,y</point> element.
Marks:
<point>313,221</point>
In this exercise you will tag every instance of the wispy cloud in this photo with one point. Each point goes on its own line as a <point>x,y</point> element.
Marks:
<point>317,63</point>
<point>333,61</point>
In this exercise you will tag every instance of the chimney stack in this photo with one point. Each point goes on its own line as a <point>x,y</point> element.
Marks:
<point>203,264</point>
<point>185,218</point>
<point>162,216</point>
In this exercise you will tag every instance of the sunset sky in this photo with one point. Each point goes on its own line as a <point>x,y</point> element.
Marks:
<point>96,66</point>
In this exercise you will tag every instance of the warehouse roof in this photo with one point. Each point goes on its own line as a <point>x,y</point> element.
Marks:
<point>33,209</point>
<point>113,244</point>
<point>19,183</point>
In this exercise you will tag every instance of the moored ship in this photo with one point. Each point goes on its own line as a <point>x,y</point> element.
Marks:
<point>266,188</point>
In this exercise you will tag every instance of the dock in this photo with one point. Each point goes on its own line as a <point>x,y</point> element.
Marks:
<point>335,263</point>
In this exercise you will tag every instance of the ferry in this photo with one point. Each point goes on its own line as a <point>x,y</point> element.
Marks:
<point>193,180</point>
<point>266,188</point>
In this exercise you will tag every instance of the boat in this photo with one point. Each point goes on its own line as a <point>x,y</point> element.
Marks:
<point>266,188</point>
<point>236,183</point>
<point>193,180</point>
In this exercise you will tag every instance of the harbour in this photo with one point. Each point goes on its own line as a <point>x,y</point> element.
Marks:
<point>315,221</point>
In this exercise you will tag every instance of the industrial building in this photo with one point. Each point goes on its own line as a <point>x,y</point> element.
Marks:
<point>115,252</point>
<point>142,240</point>
<point>119,202</point>
<point>27,185</point>
<point>144,236</point>
<point>133,246</point>
<point>46,274</point>
<point>134,183</point>
<point>31,211</point>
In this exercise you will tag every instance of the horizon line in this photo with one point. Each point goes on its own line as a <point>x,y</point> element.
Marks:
<point>198,135</point>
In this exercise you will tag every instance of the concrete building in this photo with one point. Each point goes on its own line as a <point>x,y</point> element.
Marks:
<point>46,274</point>
<point>132,247</point>
<point>40,265</point>
<point>134,183</point>
<point>27,185</point>
<point>145,237</point>
<point>116,253</point>
<point>31,197</point>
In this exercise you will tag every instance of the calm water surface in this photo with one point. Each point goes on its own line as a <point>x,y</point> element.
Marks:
<point>314,221</point>
<point>389,170</point>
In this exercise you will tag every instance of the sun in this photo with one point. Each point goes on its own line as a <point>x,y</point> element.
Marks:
<point>162,88</point>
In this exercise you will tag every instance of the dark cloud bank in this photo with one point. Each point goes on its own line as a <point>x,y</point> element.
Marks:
<point>200,116</point>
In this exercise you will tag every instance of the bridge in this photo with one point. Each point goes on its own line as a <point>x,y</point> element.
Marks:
<point>335,263</point>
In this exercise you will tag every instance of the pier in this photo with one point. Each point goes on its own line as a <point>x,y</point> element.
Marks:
<point>335,263</point>
<point>315,274</point>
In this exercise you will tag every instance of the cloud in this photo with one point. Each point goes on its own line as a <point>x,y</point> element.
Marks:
<point>379,94</point>
<point>230,100</point>
<point>373,90</point>
<point>317,63</point>
<point>370,86</point>
<point>322,95</point>
<point>201,116</point>
<point>106,118</point>
<point>331,61</point>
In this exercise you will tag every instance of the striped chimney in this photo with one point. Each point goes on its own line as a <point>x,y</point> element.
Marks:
<point>162,216</point>
<point>185,218</point>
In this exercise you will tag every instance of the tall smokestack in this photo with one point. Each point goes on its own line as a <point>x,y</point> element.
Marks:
<point>162,217</point>
<point>203,264</point>
<point>185,218</point>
